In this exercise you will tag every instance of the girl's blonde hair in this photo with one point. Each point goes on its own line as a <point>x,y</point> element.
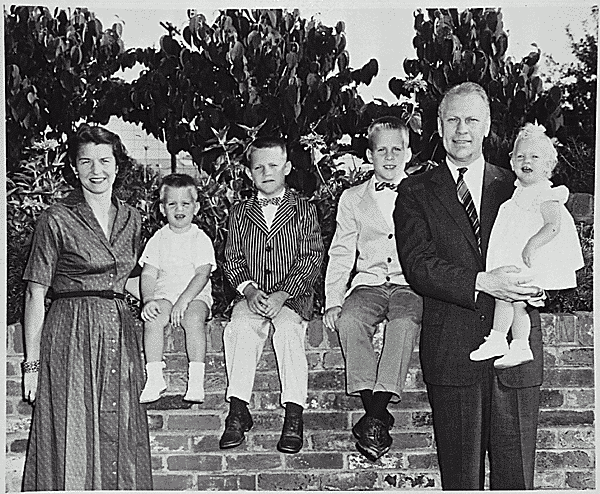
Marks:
<point>529,131</point>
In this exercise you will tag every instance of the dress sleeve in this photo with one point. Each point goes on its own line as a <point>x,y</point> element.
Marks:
<point>45,250</point>
<point>151,253</point>
<point>559,193</point>
<point>203,251</point>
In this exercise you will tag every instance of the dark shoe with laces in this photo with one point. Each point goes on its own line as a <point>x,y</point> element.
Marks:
<point>292,434</point>
<point>236,424</point>
<point>374,439</point>
<point>360,424</point>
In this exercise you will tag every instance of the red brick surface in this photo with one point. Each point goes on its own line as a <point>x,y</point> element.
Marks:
<point>184,436</point>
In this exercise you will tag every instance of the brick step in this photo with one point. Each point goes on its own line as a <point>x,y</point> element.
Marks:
<point>185,436</point>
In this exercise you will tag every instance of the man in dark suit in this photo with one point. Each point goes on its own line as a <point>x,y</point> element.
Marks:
<point>443,220</point>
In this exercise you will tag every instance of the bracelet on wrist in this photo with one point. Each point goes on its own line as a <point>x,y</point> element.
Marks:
<point>30,366</point>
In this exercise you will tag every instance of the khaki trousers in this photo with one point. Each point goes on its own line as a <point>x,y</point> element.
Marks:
<point>244,338</point>
<point>363,310</point>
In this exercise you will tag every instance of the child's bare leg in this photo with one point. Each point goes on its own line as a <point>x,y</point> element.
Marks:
<point>154,332</point>
<point>521,326</point>
<point>194,324</point>
<point>153,348</point>
<point>519,351</point>
<point>503,316</point>
<point>495,344</point>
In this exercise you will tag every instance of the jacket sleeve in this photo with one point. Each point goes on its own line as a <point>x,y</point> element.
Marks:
<point>307,265</point>
<point>426,263</point>
<point>235,265</point>
<point>342,253</point>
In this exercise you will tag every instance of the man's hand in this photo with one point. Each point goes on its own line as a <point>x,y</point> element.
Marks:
<point>177,312</point>
<point>331,316</point>
<point>274,303</point>
<point>30,384</point>
<point>257,300</point>
<point>150,311</point>
<point>506,284</point>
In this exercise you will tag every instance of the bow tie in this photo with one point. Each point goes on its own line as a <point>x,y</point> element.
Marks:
<point>275,201</point>
<point>379,186</point>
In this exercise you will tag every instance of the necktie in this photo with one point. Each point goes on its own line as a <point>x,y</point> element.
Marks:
<point>467,201</point>
<point>266,201</point>
<point>379,186</point>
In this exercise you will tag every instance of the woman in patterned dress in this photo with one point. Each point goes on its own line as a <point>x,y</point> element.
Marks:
<point>83,367</point>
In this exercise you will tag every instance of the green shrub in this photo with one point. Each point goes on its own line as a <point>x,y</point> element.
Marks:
<point>580,298</point>
<point>37,183</point>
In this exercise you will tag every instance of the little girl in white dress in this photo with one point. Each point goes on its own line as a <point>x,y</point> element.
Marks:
<point>535,232</point>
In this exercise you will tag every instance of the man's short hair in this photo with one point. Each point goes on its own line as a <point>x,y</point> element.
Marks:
<point>266,142</point>
<point>465,88</point>
<point>178,181</point>
<point>387,123</point>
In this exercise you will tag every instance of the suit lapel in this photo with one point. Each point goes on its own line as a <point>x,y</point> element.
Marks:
<point>495,191</point>
<point>445,189</point>
<point>369,206</point>
<point>255,215</point>
<point>284,213</point>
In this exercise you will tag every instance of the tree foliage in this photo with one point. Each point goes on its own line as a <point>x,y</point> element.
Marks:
<point>249,72</point>
<point>453,47</point>
<point>58,66</point>
<point>581,91</point>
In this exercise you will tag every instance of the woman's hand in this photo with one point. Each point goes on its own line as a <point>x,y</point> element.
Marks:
<point>30,384</point>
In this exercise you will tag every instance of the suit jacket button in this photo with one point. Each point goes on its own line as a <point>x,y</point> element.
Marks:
<point>482,317</point>
<point>391,235</point>
<point>387,278</point>
<point>389,259</point>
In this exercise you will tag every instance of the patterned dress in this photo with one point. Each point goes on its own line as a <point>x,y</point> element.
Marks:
<point>89,430</point>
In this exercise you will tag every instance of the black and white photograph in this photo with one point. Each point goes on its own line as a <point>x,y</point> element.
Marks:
<point>299,246</point>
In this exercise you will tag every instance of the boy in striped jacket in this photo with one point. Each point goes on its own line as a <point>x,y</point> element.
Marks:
<point>273,257</point>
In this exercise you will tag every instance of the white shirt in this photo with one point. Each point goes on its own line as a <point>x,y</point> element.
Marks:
<point>177,256</point>
<point>386,200</point>
<point>473,177</point>
<point>270,210</point>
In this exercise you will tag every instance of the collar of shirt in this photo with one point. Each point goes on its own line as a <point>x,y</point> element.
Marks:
<point>473,178</point>
<point>385,199</point>
<point>260,195</point>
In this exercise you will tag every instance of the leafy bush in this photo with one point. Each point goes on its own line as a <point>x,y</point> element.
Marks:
<point>37,183</point>
<point>580,298</point>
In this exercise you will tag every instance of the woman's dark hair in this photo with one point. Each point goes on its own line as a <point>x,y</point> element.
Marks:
<point>94,134</point>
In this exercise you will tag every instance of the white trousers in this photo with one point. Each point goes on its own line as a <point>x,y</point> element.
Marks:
<point>244,338</point>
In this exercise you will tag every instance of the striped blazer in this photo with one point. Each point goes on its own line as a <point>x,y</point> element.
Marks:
<point>286,257</point>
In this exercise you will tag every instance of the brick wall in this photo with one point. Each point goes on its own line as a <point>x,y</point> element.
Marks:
<point>184,437</point>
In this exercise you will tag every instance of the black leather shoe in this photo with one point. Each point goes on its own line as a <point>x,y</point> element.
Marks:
<point>291,439</point>
<point>374,440</point>
<point>360,424</point>
<point>236,424</point>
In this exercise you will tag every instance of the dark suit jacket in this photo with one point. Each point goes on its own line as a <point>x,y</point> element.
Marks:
<point>439,257</point>
<point>287,257</point>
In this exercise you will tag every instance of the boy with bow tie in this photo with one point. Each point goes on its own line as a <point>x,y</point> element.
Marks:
<point>364,240</point>
<point>273,257</point>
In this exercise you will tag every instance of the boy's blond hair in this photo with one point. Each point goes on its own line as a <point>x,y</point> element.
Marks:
<point>178,181</point>
<point>387,123</point>
<point>267,142</point>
